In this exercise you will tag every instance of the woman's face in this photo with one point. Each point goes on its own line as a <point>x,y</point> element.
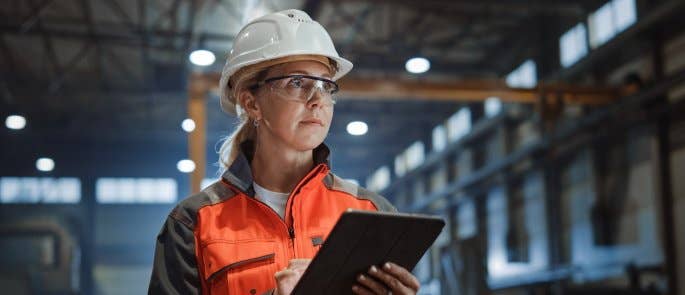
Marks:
<point>287,121</point>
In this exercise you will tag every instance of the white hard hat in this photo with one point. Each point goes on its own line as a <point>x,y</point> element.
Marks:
<point>281,34</point>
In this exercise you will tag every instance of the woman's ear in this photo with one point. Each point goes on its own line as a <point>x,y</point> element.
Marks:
<point>249,103</point>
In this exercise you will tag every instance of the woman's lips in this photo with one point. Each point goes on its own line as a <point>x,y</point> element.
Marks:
<point>312,121</point>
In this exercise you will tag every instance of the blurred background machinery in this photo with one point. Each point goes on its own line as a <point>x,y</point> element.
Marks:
<point>550,135</point>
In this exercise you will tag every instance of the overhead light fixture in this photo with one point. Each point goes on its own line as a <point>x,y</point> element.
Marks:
<point>357,128</point>
<point>45,164</point>
<point>185,166</point>
<point>417,65</point>
<point>202,57</point>
<point>15,122</point>
<point>188,125</point>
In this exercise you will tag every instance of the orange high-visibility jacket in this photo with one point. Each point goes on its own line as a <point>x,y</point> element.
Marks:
<point>225,241</point>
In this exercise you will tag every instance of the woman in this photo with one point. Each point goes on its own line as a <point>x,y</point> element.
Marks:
<point>256,229</point>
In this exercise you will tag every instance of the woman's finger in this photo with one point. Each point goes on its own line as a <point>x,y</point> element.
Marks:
<point>299,265</point>
<point>299,262</point>
<point>372,284</point>
<point>357,289</point>
<point>285,274</point>
<point>395,285</point>
<point>401,273</point>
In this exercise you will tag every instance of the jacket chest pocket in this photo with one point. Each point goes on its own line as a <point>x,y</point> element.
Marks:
<point>242,267</point>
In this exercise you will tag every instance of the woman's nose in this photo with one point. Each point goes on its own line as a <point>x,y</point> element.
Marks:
<point>315,97</point>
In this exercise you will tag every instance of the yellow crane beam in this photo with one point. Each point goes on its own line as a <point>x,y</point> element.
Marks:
<point>200,84</point>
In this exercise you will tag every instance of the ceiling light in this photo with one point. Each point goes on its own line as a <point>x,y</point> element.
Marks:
<point>202,57</point>
<point>188,125</point>
<point>185,166</point>
<point>417,65</point>
<point>45,164</point>
<point>357,128</point>
<point>15,122</point>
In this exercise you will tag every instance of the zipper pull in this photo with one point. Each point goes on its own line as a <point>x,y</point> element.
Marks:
<point>291,231</point>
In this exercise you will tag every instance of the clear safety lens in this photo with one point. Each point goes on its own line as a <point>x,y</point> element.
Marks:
<point>302,88</point>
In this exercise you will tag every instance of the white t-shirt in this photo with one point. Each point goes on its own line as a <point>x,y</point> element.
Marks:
<point>275,200</point>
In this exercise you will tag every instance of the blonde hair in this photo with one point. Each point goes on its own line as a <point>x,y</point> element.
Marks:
<point>240,81</point>
<point>245,130</point>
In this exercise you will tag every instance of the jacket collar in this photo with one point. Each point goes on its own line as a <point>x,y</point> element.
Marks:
<point>239,174</point>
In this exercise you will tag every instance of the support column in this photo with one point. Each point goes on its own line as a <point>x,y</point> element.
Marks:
<point>197,139</point>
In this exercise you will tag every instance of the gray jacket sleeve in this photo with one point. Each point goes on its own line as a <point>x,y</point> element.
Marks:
<point>174,268</point>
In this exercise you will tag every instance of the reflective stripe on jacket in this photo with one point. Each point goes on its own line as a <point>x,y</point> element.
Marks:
<point>225,241</point>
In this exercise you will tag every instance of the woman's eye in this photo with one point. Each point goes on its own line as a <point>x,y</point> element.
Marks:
<point>296,82</point>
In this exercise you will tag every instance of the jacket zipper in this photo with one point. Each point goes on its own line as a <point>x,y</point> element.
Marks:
<point>291,199</point>
<point>291,228</point>
<point>291,232</point>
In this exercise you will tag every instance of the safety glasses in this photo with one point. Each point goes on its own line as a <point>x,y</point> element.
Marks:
<point>301,88</point>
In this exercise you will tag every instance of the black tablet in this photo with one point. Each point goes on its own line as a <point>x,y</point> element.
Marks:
<point>364,238</point>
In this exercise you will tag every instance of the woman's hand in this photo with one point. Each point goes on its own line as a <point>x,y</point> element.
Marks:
<point>391,279</point>
<point>287,279</point>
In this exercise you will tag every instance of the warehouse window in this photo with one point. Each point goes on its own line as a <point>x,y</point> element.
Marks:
<point>400,165</point>
<point>409,159</point>
<point>40,190</point>
<point>439,138</point>
<point>415,155</point>
<point>625,14</point>
<point>609,20</point>
<point>573,45</point>
<point>135,190</point>
<point>458,125</point>
<point>493,106</point>
<point>525,76</point>
<point>379,180</point>
<point>600,24</point>
<point>467,224</point>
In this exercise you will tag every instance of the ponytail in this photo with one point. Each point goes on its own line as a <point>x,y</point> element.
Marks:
<point>231,146</point>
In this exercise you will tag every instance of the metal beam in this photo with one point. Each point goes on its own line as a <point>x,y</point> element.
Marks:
<point>7,56</point>
<point>356,88</point>
<point>665,176</point>
<point>460,90</point>
<point>34,17</point>
<point>47,41</point>
<point>88,17</point>
<point>145,61</point>
<point>128,73</point>
<point>502,60</point>
<point>357,22</point>
<point>173,15</point>
<point>495,7</point>
<point>118,10</point>
<point>193,7</point>
<point>131,38</point>
<point>57,83</point>
<point>168,12</point>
